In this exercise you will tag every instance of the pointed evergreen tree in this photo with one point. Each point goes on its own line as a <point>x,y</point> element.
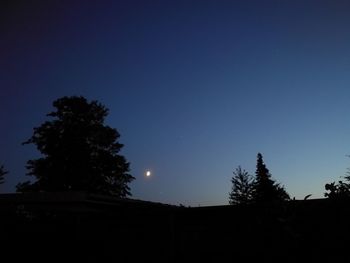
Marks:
<point>2,173</point>
<point>242,186</point>
<point>266,189</point>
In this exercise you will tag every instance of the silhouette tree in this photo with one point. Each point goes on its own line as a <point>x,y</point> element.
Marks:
<point>80,152</point>
<point>242,186</point>
<point>2,174</point>
<point>340,189</point>
<point>265,189</point>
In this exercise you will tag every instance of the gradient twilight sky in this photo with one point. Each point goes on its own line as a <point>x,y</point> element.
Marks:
<point>195,88</point>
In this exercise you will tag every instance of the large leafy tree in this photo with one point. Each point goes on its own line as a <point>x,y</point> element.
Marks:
<point>80,152</point>
<point>2,174</point>
<point>242,187</point>
<point>265,188</point>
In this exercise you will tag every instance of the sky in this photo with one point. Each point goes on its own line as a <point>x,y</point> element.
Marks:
<point>195,88</point>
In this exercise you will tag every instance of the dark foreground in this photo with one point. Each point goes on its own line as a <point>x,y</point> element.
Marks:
<point>82,227</point>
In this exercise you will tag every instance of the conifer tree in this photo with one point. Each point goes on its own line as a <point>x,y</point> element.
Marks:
<point>242,186</point>
<point>266,189</point>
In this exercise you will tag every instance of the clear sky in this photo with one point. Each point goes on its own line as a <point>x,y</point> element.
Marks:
<point>195,88</point>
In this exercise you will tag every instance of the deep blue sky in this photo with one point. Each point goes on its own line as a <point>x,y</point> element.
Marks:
<point>195,88</point>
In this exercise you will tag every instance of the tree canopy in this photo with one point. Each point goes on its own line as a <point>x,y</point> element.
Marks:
<point>340,189</point>
<point>261,189</point>
<point>242,189</point>
<point>2,174</point>
<point>80,152</point>
<point>266,189</point>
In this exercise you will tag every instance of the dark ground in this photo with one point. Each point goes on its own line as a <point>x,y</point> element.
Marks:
<point>82,227</point>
